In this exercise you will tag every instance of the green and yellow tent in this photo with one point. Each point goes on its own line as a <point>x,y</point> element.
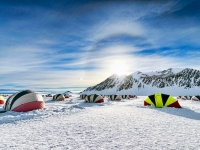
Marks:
<point>161,100</point>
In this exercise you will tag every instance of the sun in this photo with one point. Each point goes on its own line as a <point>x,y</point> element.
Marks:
<point>119,69</point>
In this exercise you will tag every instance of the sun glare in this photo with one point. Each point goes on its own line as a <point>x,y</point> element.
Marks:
<point>119,69</point>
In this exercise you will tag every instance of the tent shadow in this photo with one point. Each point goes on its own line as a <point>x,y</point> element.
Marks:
<point>182,112</point>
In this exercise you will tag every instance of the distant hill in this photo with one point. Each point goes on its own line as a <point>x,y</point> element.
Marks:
<point>174,81</point>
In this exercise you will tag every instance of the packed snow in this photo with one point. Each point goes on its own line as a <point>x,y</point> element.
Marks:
<point>125,124</point>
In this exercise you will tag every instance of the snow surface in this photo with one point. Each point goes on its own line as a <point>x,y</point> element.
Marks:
<point>125,124</point>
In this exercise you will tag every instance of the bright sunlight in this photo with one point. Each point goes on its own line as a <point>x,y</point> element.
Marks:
<point>119,69</point>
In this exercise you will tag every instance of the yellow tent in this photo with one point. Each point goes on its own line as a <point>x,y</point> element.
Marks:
<point>160,100</point>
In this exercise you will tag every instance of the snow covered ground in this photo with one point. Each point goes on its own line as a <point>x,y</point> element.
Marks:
<point>126,124</point>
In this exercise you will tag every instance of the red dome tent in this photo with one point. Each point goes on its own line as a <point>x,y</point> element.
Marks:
<point>195,98</point>
<point>24,101</point>
<point>59,97</point>
<point>125,97</point>
<point>83,96</point>
<point>186,97</point>
<point>49,95</point>
<point>114,97</point>
<point>94,98</point>
<point>66,95</point>
<point>132,96</point>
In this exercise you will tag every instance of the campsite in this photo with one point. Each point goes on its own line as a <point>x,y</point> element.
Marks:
<point>99,74</point>
<point>119,124</point>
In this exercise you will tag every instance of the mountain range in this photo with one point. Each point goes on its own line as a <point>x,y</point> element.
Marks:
<point>173,81</point>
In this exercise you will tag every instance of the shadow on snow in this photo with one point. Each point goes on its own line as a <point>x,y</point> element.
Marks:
<point>182,112</point>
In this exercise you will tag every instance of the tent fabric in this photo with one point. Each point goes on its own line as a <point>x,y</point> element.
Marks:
<point>132,96</point>
<point>186,97</point>
<point>48,95</point>
<point>125,97</point>
<point>94,98</point>
<point>196,98</point>
<point>103,95</point>
<point>58,97</point>
<point>114,97</point>
<point>160,100</point>
<point>83,96</point>
<point>24,101</point>
<point>7,104</point>
<point>29,106</point>
<point>1,100</point>
<point>66,95</point>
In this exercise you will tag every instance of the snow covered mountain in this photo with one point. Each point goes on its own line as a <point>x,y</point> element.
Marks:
<point>172,81</point>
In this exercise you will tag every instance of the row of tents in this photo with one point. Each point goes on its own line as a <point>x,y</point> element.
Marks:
<point>28,100</point>
<point>193,98</point>
<point>158,100</point>
<point>112,97</point>
<point>5,95</point>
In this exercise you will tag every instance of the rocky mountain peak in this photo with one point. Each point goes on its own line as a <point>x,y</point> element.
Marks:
<point>186,78</point>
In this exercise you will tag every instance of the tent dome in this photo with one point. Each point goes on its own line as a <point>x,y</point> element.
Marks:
<point>66,95</point>
<point>24,101</point>
<point>132,96</point>
<point>196,98</point>
<point>125,97</point>
<point>49,95</point>
<point>94,98</point>
<point>114,97</point>
<point>83,96</point>
<point>186,97</point>
<point>160,100</point>
<point>1,100</point>
<point>59,97</point>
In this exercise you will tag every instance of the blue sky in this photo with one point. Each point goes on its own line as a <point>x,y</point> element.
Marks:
<point>57,44</point>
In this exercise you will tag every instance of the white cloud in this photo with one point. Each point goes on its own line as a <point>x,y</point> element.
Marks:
<point>23,58</point>
<point>36,64</point>
<point>33,71</point>
<point>115,27</point>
